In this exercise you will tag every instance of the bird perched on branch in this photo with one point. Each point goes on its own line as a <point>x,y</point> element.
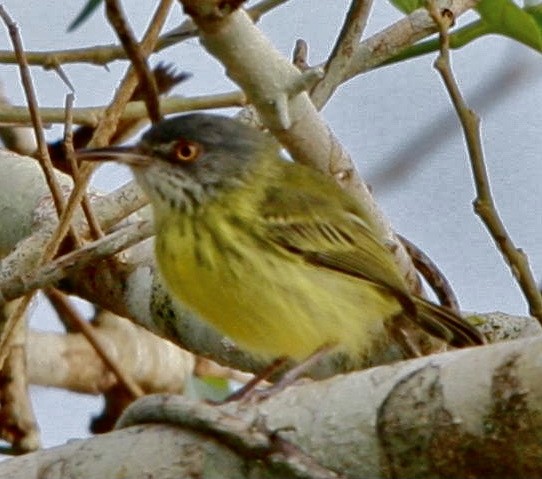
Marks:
<point>273,254</point>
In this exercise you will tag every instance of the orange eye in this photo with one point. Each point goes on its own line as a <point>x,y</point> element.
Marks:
<point>186,151</point>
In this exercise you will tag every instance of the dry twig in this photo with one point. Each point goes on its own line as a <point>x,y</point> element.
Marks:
<point>91,116</point>
<point>483,204</point>
<point>72,316</point>
<point>63,266</point>
<point>434,277</point>
<point>341,55</point>
<point>127,38</point>
<point>26,79</point>
<point>375,50</point>
<point>93,223</point>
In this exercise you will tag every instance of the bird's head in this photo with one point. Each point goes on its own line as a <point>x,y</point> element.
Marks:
<point>184,160</point>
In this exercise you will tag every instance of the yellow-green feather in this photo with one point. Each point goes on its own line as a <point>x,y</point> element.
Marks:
<point>239,274</point>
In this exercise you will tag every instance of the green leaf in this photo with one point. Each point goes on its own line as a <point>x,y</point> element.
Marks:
<point>88,9</point>
<point>407,6</point>
<point>535,12</point>
<point>214,389</point>
<point>504,17</point>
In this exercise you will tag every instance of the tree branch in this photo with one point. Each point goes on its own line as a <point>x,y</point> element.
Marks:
<point>136,110</point>
<point>452,414</point>
<point>69,362</point>
<point>341,56</point>
<point>138,59</point>
<point>375,50</point>
<point>483,204</point>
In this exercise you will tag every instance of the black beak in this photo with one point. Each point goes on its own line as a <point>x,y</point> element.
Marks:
<point>129,155</point>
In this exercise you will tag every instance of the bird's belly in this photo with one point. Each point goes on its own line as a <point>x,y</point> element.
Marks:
<point>271,305</point>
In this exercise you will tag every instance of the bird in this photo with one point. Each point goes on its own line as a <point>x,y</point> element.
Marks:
<point>271,253</point>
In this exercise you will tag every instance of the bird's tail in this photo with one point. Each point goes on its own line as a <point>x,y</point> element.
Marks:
<point>446,325</point>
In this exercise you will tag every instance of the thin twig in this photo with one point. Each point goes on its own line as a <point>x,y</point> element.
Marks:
<point>63,266</point>
<point>97,55</point>
<point>26,79</point>
<point>484,205</point>
<point>108,123</point>
<point>432,274</point>
<point>375,50</point>
<point>117,19</point>
<point>64,77</point>
<point>104,54</point>
<point>341,55</point>
<point>93,223</point>
<point>72,316</point>
<point>90,116</point>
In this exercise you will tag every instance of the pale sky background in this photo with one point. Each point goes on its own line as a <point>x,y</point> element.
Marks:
<point>395,117</point>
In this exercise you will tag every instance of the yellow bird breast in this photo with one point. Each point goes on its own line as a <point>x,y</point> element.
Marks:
<point>270,303</point>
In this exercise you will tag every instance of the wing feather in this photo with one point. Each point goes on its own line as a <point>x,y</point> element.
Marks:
<point>340,238</point>
<point>331,237</point>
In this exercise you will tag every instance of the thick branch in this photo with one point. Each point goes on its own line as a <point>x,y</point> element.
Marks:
<point>471,413</point>
<point>68,361</point>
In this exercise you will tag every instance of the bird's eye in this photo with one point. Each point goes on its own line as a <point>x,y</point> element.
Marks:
<point>186,151</point>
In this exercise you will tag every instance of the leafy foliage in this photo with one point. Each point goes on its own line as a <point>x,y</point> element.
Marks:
<point>504,17</point>
<point>407,6</point>
<point>87,11</point>
<point>497,17</point>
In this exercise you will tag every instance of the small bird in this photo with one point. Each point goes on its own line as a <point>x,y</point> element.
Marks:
<point>273,254</point>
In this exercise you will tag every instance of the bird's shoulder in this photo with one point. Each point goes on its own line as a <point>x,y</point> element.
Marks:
<point>296,189</point>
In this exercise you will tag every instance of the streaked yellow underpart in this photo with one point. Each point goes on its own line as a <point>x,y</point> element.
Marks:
<point>261,301</point>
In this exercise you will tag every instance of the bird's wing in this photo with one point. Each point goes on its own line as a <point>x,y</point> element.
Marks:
<point>340,239</point>
<point>328,236</point>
